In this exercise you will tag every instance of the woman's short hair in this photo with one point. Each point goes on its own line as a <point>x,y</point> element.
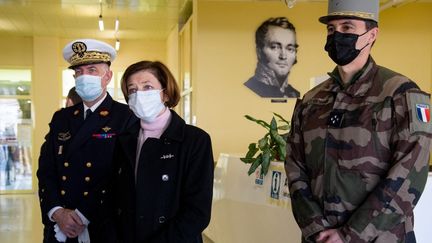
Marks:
<point>162,74</point>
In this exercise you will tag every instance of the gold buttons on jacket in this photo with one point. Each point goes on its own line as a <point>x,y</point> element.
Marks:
<point>62,192</point>
<point>66,164</point>
<point>64,178</point>
<point>103,191</point>
<point>87,178</point>
<point>89,164</point>
<point>85,193</point>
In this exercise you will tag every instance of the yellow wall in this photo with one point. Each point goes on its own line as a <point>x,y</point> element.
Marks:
<point>16,52</point>
<point>225,59</point>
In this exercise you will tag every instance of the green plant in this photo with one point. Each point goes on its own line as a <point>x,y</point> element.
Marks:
<point>272,147</point>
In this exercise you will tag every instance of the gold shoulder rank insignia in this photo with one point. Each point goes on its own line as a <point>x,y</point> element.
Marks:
<point>106,129</point>
<point>64,136</point>
<point>104,113</point>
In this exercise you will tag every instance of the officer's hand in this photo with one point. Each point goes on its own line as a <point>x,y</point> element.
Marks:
<point>69,222</point>
<point>329,236</point>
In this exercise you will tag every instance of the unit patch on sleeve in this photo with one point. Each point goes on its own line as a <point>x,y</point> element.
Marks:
<point>419,106</point>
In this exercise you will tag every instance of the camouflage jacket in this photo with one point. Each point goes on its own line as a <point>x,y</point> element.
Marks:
<point>357,157</point>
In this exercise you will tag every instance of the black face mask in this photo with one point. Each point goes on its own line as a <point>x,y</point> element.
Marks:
<point>341,47</point>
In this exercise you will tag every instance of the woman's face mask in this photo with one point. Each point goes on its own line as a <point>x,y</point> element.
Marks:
<point>146,104</point>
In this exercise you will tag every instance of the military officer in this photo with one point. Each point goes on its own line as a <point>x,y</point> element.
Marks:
<point>75,161</point>
<point>358,151</point>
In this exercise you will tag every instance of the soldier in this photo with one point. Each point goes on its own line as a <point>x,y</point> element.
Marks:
<point>358,151</point>
<point>75,161</point>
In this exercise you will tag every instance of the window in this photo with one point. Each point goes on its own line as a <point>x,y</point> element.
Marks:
<point>15,130</point>
<point>186,86</point>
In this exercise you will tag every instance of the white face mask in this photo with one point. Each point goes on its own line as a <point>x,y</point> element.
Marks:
<point>88,87</point>
<point>146,104</point>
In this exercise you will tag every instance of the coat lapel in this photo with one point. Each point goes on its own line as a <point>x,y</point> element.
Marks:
<point>91,125</point>
<point>129,142</point>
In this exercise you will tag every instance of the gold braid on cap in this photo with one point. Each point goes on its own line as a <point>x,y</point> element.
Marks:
<point>82,56</point>
<point>362,15</point>
<point>89,57</point>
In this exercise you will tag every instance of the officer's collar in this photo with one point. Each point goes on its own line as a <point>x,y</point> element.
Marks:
<point>361,81</point>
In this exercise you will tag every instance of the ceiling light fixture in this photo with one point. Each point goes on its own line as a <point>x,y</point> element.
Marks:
<point>117,45</point>
<point>116,29</point>
<point>117,24</point>
<point>101,23</point>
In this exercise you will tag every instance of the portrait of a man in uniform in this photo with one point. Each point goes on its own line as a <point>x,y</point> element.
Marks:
<point>276,48</point>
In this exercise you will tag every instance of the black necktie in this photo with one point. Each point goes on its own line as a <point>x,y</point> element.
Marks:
<point>88,113</point>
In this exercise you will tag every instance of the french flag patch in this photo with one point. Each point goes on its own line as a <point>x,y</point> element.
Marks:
<point>423,112</point>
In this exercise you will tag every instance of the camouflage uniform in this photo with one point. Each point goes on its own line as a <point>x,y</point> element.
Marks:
<point>357,157</point>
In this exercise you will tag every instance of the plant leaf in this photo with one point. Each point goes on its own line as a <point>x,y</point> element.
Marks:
<point>282,152</point>
<point>252,150</point>
<point>265,164</point>
<point>278,138</point>
<point>255,164</point>
<point>247,160</point>
<point>281,118</point>
<point>262,143</point>
<point>284,127</point>
<point>260,122</point>
<point>273,125</point>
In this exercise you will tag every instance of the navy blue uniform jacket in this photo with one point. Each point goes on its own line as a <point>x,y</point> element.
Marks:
<point>75,166</point>
<point>171,198</point>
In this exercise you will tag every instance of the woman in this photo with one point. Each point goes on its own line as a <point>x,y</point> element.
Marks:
<point>165,169</point>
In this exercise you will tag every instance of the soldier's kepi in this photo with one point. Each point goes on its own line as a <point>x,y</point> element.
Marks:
<point>358,150</point>
<point>341,47</point>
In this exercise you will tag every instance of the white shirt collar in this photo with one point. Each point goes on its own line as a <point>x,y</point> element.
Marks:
<point>95,106</point>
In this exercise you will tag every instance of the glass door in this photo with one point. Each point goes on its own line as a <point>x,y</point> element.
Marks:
<point>15,130</point>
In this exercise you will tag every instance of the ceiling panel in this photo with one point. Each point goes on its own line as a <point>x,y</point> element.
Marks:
<point>149,19</point>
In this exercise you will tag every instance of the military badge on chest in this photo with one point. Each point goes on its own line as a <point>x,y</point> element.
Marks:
<point>105,133</point>
<point>336,119</point>
<point>63,136</point>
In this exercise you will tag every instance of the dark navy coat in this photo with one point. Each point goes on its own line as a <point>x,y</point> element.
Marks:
<point>171,198</point>
<point>75,166</point>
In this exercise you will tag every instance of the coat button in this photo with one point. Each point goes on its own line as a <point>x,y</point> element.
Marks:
<point>87,178</point>
<point>162,219</point>
<point>89,164</point>
<point>103,191</point>
<point>166,141</point>
<point>85,193</point>
<point>165,177</point>
<point>64,178</point>
<point>62,192</point>
<point>66,164</point>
